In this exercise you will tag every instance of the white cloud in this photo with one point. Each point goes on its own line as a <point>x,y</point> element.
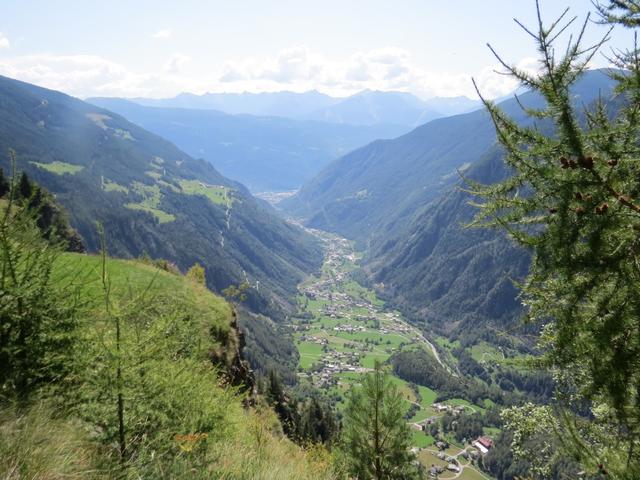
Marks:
<point>296,68</point>
<point>80,75</point>
<point>176,63</point>
<point>4,41</point>
<point>164,33</point>
<point>388,68</point>
<point>288,66</point>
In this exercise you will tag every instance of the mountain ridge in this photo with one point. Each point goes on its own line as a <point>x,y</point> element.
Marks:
<point>264,153</point>
<point>151,198</point>
<point>376,188</point>
<point>314,105</point>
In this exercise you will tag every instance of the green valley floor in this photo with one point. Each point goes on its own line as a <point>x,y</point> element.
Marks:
<point>343,328</point>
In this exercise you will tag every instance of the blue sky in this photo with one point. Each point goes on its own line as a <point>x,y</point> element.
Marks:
<point>160,48</point>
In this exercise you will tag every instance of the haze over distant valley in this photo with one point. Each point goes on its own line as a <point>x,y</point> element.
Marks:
<point>278,141</point>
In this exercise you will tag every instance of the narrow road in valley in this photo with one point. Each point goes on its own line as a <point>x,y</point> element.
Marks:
<point>332,239</point>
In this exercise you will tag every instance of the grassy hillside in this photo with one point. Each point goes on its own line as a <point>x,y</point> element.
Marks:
<point>150,196</point>
<point>182,418</point>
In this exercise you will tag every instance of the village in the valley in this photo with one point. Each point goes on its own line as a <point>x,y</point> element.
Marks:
<point>342,329</point>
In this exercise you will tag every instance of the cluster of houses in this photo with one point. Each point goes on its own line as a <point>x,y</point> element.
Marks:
<point>396,325</point>
<point>314,339</point>
<point>482,444</point>
<point>333,363</point>
<point>313,293</point>
<point>300,327</point>
<point>348,328</point>
<point>436,470</point>
<point>454,409</point>
<point>452,465</point>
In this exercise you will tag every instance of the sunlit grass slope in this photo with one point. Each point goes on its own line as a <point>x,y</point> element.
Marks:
<point>182,418</point>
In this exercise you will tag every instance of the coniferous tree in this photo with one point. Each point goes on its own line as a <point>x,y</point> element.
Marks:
<point>25,188</point>
<point>376,437</point>
<point>197,274</point>
<point>284,405</point>
<point>623,12</point>
<point>317,423</point>
<point>573,199</point>
<point>4,184</point>
<point>37,328</point>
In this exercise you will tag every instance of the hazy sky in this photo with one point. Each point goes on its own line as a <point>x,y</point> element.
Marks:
<point>159,48</point>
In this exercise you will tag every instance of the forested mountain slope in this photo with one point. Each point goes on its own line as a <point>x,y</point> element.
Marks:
<point>151,197</point>
<point>265,153</point>
<point>455,278</point>
<point>397,199</point>
<point>376,190</point>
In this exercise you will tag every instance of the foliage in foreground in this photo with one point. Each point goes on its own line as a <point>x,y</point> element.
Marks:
<point>36,328</point>
<point>376,437</point>
<point>118,369</point>
<point>573,199</point>
<point>40,443</point>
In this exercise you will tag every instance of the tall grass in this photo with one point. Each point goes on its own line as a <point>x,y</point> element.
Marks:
<point>36,444</point>
<point>171,326</point>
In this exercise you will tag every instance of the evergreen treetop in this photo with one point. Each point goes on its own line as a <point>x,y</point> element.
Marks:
<point>574,199</point>
<point>376,437</point>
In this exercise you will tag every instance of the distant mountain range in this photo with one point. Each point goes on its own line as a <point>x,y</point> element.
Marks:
<point>399,199</point>
<point>364,108</point>
<point>449,106</point>
<point>274,142</point>
<point>278,104</point>
<point>373,108</point>
<point>264,153</point>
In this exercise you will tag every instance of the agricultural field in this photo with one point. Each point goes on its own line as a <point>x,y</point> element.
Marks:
<point>109,186</point>
<point>488,355</point>
<point>217,194</point>
<point>150,202</point>
<point>343,328</point>
<point>59,168</point>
